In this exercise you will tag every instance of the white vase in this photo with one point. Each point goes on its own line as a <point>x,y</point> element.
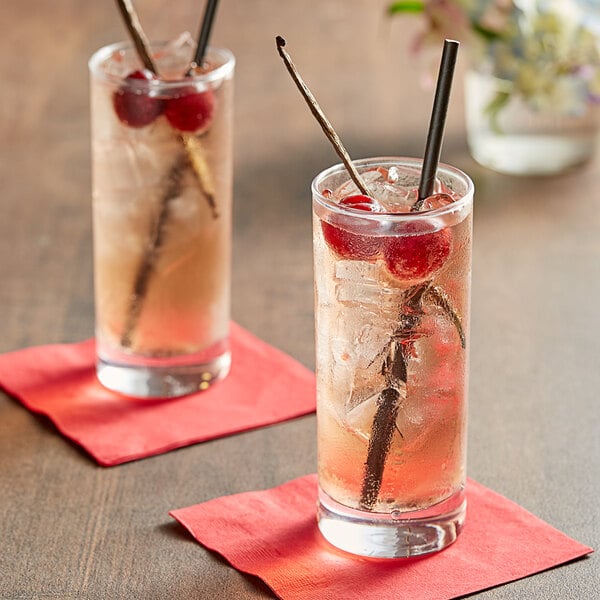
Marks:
<point>520,140</point>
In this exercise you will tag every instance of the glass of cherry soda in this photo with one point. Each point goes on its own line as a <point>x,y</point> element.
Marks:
<point>162,194</point>
<point>392,293</point>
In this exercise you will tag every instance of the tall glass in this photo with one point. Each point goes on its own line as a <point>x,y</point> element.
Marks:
<point>162,193</point>
<point>392,306</point>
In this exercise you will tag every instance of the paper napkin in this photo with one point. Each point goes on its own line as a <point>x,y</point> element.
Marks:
<point>273,534</point>
<point>265,386</point>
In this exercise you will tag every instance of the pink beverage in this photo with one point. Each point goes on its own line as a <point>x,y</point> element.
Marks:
<point>392,308</point>
<point>162,193</point>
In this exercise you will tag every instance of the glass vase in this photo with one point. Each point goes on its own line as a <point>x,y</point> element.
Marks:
<point>522,139</point>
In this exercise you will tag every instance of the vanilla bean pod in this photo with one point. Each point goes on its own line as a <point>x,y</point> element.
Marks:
<point>384,425</point>
<point>155,242</point>
<point>395,371</point>
<point>438,296</point>
<point>319,115</point>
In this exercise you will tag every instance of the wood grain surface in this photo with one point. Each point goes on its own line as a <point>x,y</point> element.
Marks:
<point>70,529</point>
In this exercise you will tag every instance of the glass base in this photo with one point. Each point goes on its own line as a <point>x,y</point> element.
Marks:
<point>164,381</point>
<point>531,154</point>
<point>380,535</point>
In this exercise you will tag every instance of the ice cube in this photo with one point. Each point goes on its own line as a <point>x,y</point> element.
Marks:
<point>349,187</point>
<point>365,283</point>
<point>438,200</point>
<point>183,42</point>
<point>134,158</point>
<point>396,189</point>
<point>360,417</point>
<point>371,311</point>
<point>390,191</point>
<point>174,58</point>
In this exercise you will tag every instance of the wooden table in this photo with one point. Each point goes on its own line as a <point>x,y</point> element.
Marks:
<point>71,529</point>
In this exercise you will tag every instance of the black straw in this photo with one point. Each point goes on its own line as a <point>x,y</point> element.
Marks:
<point>205,30</point>
<point>435,135</point>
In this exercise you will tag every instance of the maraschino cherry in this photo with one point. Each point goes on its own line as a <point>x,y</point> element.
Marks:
<point>419,254</point>
<point>407,257</point>
<point>137,107</point>
<point>348,244</point>
<point>190,110</point>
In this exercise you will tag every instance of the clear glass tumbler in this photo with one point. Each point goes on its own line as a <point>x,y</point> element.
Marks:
<point>392,293</point>
<point>162,193</point>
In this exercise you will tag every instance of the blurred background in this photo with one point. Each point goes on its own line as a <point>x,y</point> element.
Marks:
<point>534,418</point>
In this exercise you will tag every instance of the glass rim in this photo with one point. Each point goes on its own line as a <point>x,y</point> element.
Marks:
<point>456,206</point>
<point>102,55</point>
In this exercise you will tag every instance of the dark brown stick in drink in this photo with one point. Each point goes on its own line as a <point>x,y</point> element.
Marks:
<point>326,126</point>
<point>140,41</point>
<point>395,371</point>
<point>192,157</point>
<point>155,242</point>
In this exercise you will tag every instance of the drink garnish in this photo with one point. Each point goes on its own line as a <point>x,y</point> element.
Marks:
<point>196,155</point>
<point>155,242</point>
<point>348,244</point>
<point>414,257</point>
<point>140,41</point>
<point>141,108</point>
<point>190,111</point>
<point>417,256</point>
<point>395,371</point>
<point>436,295</point>
<point>197,109</point>
<point>328,129</point>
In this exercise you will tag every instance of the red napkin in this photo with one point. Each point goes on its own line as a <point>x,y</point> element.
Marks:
<point>264,386</point>
<point>273,534</point>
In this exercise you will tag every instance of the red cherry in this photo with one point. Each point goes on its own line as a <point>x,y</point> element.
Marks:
<point>134,105</point>
<point>348,244</point>
<point>419,255</point>
<point>360,202</point>
<point>190,110</point>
